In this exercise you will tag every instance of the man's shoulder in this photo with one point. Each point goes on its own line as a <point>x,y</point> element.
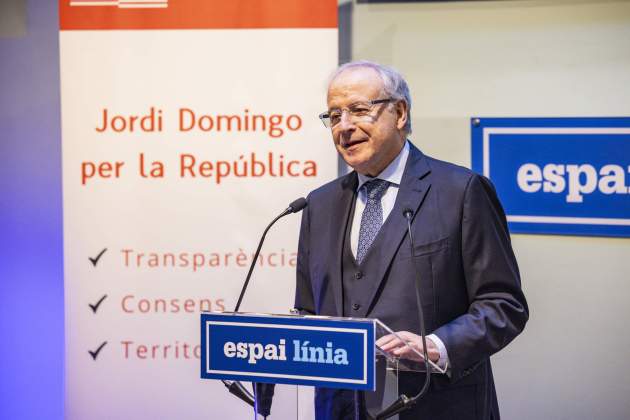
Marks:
<point>459,181</point>
<point>443,166</point>
<point>448,173</point>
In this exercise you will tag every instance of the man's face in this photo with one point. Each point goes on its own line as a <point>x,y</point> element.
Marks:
<point>368,145</point>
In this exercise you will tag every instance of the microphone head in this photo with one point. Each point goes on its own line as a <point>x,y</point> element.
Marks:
<point>407,212</point>
<point>298,205</point>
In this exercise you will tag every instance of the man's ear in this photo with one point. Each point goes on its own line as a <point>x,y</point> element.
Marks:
<point>402,114</point>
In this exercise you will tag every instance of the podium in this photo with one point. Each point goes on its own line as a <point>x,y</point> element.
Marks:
<point>297,351</point>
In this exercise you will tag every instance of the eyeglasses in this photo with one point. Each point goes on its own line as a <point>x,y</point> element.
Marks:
<point>357,111</point>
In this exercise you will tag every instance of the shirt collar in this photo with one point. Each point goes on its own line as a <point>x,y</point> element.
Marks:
<point>393,172</point>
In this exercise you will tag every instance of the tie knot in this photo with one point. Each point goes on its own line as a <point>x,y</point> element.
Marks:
<point>376,188</point>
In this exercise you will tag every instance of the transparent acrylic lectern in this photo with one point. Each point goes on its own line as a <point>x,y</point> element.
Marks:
<point>297,401</point>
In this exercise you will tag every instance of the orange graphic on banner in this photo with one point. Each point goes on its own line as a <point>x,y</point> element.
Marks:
<point>196,14</point>
<point>123,4</point>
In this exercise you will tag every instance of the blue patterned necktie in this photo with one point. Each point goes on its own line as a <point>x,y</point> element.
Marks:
<point>372,217</point>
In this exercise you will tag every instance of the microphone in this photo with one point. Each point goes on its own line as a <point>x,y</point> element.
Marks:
<point>235,387</point>
<point>403,402</point>
<point>297,205</point>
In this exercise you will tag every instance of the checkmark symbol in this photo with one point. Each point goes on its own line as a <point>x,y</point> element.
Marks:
<point>98,257</point>
<point>95,353</point>
<point>97,304</point>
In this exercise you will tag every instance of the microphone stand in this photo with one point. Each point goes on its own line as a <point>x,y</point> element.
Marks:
<point>403,402</point>
<point>293,208</point>
<point>235,387</point>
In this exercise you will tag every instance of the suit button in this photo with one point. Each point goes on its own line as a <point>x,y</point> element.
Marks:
<point>358,275</point>
<point>356,306</point>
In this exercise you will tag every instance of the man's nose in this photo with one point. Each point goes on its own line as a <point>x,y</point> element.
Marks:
<point>346,122</point>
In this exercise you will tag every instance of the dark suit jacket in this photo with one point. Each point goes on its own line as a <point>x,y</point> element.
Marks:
<point>470,284</point>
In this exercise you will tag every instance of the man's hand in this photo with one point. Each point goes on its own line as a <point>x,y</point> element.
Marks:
<point>392,344</point>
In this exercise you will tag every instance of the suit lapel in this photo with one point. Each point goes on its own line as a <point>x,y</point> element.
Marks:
<point>414,187</point>
<point>338,225</point>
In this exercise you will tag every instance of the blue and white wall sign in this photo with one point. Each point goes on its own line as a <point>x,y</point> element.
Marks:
<point>558,175</point>
<point>290,350</point>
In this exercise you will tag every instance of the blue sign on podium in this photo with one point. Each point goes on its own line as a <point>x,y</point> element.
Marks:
<point>325,352</point>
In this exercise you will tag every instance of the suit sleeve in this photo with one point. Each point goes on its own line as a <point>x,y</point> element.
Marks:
<point>304,301</point>
<point>497,310</point>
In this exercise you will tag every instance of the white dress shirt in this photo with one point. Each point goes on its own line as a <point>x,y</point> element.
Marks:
<point>393,173</point>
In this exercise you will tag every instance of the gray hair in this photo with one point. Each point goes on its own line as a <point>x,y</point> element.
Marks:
<point>394,84</point>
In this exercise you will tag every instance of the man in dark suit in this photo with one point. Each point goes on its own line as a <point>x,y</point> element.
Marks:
<point>354,257</point>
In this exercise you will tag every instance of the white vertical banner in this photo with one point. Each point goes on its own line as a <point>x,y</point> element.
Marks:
<point>186,126</point>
